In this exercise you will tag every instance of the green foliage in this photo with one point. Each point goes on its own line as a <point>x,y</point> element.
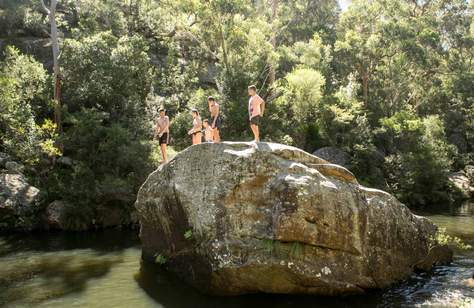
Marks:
<point>388,82</point>
<point>418,166</point>
<point>188,234</point>
<point>22,86</point>
<point>109,162</point>
<point>118,75</point>
<point>97,16</point>
<point>107,129</point>
<point>302,92</point>
<point>443,238</point>
<point>180,126</point>
<point>21,17</point>
<point>160,259</point>
<point>297,250</point>
<point>269,245</point>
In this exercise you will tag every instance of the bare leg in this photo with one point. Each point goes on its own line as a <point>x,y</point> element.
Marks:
<point>163,152</point>
<point>256,132</point>
<point>216,136</point>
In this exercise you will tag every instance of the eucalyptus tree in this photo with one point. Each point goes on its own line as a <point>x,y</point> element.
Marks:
<point>54,35</point>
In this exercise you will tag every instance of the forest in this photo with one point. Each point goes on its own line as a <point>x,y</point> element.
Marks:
<point>389,82</point>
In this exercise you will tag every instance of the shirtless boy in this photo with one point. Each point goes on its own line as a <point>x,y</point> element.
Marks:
<point>216,120</point>
<point>196,131</point>
<point>256,109</point>
<point>162,132</point>
<point>207,131</point>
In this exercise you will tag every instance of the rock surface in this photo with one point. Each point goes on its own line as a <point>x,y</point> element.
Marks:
<point>56,215</point>
<point>235,218</point>
<point>462,183</point>
<point>469,170</point>
<point>4,158</point>
<point>19,203</point>
<point>334,155</point>
<point>14,167</point>
<point>61,215</point>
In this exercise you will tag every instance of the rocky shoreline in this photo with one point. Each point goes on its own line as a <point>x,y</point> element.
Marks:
<point>23,209</point>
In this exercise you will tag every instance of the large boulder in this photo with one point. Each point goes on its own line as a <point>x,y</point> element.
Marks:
<point>462,186</point>
<point>19,203</point>
<point>235,218</point>
<point>62,215</point>
<point>334,155</point>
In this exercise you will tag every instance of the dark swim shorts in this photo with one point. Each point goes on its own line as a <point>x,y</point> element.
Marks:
<point>218,122</point>
<point>163,139</point>
<point>255,120</point>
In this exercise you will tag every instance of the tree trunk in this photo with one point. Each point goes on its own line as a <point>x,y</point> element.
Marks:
<point>56,69</point>
<point>365,87</point>
<point>51,12</point>
<point>273,40</point>
<point>223,45</point>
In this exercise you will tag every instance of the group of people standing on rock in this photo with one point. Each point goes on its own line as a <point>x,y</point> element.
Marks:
<point>210,128</point>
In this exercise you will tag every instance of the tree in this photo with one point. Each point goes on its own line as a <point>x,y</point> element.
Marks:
<point>301,98</point>
<point>22,93</point>
<point>419,157</point>
<point>51,12</point>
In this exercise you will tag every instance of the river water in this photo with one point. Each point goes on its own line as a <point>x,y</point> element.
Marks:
<point>103,269</point>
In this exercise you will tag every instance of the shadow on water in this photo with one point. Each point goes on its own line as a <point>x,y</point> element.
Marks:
<point>58,276</point>
<point>44,266</point>
<point>103,241</point>
<point>168,291</point>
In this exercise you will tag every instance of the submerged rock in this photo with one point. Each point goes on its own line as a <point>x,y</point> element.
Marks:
<point>235,218</point>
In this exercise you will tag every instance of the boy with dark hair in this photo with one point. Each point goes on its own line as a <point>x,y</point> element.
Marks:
<point>162,132</point>
<point>256,109</point>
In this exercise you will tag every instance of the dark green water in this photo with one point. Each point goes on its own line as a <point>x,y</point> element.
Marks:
<point>103,270</point>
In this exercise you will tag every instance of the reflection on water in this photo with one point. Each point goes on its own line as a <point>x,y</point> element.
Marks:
<point>103,269</point>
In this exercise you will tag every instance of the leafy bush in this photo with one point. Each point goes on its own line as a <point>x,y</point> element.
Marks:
<point>419,158</point>
<point>22,86</point>
<point>180,125</point>
<point>106,127</point>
